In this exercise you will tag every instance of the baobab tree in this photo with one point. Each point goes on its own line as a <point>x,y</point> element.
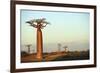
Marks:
<point>39,24</point>
<point>66,48</point>
<point>29,45</point>
<point>59,47</point>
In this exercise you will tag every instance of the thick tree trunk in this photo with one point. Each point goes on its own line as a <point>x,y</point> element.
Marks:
<point>39,44</point>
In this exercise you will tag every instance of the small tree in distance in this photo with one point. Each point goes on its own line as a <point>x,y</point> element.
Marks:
<point>28,46</point>
<point>66,48</point>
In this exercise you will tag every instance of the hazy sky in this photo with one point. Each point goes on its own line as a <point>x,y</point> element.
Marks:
<point>67,28</point>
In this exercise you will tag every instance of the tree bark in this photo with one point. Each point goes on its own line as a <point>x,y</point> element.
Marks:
<point>39,44</point>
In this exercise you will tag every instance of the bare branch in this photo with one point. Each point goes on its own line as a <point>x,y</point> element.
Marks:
<point>30,22</point>
<point>34,25</point>
<point>44,25</point>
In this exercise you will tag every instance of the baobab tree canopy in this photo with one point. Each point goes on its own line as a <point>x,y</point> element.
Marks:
<point>38,23</point>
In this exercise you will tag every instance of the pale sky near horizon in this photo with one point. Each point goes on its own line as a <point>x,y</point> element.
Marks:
<point>67,28</point>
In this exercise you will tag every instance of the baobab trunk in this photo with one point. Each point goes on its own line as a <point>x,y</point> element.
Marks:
<point>28,49</point>
<point>39,44</point>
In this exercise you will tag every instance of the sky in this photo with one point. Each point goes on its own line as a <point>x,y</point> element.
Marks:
<point>67,28</point>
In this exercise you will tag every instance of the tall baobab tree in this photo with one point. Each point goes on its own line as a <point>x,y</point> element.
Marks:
<point>29,45</point>
<point>39,24</point>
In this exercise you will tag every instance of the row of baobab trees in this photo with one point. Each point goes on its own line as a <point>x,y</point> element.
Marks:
<point>59,48</point>
<point>39,24</point>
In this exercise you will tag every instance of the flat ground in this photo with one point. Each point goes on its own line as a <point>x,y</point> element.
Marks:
<point>56,56</point>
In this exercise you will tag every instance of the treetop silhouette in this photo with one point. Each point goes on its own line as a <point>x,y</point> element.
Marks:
<point>38,23</point>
